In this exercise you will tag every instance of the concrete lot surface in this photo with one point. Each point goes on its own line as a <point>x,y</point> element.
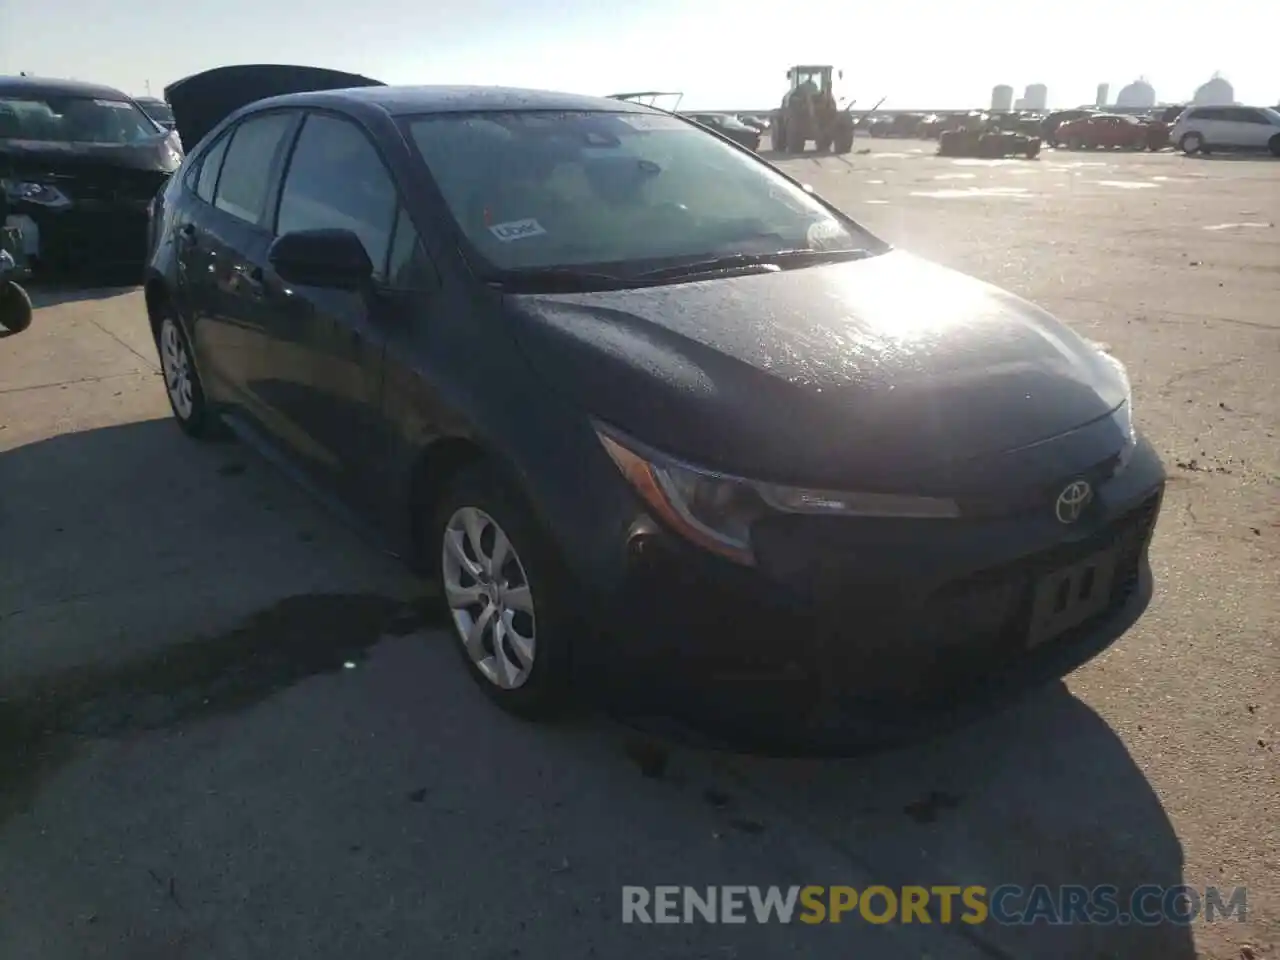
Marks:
<point>229,729</point>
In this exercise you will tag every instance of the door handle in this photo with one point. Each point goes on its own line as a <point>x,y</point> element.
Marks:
<point>250,278</point>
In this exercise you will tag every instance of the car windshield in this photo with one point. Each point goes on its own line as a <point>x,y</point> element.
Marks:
<point>534,189</point>
<point>74,120</point>
<point>159,112</point>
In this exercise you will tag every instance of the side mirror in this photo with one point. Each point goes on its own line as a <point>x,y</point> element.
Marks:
<point>322,258</point>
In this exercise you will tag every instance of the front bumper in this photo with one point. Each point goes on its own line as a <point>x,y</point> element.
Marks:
<point>82,236</point>
<point>879,630</point>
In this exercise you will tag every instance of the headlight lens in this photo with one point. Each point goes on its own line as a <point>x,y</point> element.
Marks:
<point>716,511</point>
<point>41,193</point>
<point>1123,415</point>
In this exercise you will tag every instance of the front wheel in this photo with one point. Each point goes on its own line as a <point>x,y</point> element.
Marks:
<point>507,594</point>
<point>182,381</point>
<point>843,142</point>
<point>1191,144</point>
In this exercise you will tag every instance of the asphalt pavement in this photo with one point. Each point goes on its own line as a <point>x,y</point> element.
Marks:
<point>230,728</point>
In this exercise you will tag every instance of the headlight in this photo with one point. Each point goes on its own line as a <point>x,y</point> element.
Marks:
<point>1123,414</point>
<point>716,511</point>
<point>41,193</point>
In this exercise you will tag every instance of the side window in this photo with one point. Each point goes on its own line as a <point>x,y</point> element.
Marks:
<point>209,169</point>
<point>1245,115</point>
<point>246,169</point>
<point>336,179</point>
<point>408,267</point>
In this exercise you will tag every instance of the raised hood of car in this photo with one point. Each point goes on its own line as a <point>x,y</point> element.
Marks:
<point>888,371</point>
<point>203,100</point>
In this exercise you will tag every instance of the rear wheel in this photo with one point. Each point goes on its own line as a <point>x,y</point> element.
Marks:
<point>507,594</point>
<point>182,380</point>
<point>1274,145</point>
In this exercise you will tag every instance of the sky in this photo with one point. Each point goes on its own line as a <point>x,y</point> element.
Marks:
<point>721,54</point>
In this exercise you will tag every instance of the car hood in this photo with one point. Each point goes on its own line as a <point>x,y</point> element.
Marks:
<point>889,372</point>
<point>203,100</point>
<point>30,157</point>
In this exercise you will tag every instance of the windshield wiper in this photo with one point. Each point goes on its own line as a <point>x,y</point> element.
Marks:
<point>736,261</point>
<point>553,280</point>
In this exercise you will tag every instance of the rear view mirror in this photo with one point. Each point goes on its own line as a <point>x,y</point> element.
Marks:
<point>322,258</point>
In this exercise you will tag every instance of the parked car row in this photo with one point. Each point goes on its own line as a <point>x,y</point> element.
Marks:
<point>1192,129</point>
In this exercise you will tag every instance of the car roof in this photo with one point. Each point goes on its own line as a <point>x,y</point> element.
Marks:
<point>400,101</point>
<point>52,87</point>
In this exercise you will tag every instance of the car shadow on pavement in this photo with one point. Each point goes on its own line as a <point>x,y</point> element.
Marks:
<point>1042,793</point>
<point>51,294</point>
<point>261,593</point>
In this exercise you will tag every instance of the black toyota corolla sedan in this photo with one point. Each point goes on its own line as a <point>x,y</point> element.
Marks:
<point>636,398</point>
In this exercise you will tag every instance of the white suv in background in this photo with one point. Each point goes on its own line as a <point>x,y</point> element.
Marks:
<point>1205,129</point>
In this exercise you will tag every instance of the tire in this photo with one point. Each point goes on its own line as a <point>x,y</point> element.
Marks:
<point>1075,143</point>
<point>1274,145</point>
<point>182,381</point>
<point>843,142</point>
<point>529,673</point>
<point>15,309</point>
<point>1191,144</point>
<point>778,137</point>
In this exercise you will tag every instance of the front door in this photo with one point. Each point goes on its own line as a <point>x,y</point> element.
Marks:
<point>328,345</point>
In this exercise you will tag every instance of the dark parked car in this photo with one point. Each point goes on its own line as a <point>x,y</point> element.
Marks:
<point>79,164</point>
<point>634,395</point>
<point>730,127</point>
<point>157,110</point>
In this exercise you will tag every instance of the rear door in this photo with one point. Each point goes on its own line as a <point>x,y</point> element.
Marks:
<point>1250,128</point>
<point>231,238</point>
<point>328,345</point>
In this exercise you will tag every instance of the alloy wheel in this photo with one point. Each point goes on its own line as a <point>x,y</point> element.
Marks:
<point>489,597</point>
<point>176,363</point>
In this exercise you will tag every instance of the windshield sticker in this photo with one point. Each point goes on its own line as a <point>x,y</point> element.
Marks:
<point>646,121</point>
<point>517,230</point>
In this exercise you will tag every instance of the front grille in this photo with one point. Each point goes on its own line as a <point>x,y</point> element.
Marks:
<point>974,625</point>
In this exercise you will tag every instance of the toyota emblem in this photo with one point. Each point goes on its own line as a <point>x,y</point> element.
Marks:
<point>1072,501</point>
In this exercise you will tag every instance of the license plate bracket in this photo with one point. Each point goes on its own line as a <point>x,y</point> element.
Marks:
<point>1068,596</point>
